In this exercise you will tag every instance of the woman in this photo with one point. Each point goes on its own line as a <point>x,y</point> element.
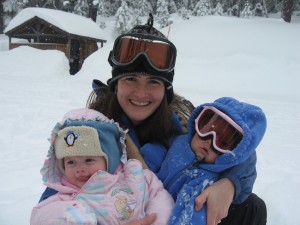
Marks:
<point>140,97</point>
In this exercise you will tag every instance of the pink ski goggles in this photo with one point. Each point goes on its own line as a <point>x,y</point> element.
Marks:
<point>225,132</point>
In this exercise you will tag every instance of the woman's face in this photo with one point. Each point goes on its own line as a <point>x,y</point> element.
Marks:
<point>139,96</point>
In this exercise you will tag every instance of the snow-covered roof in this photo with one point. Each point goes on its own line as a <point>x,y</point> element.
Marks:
<point>69,22</point>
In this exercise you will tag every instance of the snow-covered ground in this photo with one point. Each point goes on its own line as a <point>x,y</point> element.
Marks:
<point>255,60</point>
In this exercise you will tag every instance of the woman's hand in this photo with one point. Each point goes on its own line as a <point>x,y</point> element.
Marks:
<point>218,197</point>
<point>148,220</point>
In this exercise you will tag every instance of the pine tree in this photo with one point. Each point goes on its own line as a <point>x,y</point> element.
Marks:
<point>123,18</point>
<point>10,9</point>
<point>103,9</point>
<point>183,12</point>
<point>203,8</point>
<point>192,4</point>
<point>182,3</point>
<point>259,10</point>
<point>227,5</point>
<point>172,7</point>
<point>234,11</point>
<point>82,8</point>
<point>114,6</point>
<point>219,9</point>
<point>246,13</point>
<point>141,9</point>
<point>153,4</point>
<point>162,13</point>
<point>136,20</point>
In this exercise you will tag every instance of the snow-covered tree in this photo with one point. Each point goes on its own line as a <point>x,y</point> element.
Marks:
<point>162,13</point>
<point>183,12</point>
<point>141,8</point>
<point>136,20</point>
<point>82,8</point>
<point>102,12</point>
<point>123,18</point>
<point>182,3</point>
<point>192,4</point>
<point>103,8</point>
<point>153,4</point>
<point>219,9</point>
<point>234,11</point>
<point>227,5</point>
<point>203,8</point>
<point>10,9</point>
<point>246,13</point>
<point>172,7</point>
<point>259,10</point>
<point>114,6</point>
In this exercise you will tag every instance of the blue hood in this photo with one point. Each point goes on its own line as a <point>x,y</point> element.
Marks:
<point>252,120</point>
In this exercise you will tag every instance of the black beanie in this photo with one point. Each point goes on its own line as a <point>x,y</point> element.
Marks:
<point>141,65</point>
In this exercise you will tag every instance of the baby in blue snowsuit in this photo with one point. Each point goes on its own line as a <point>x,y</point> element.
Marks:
<point>220,135</point>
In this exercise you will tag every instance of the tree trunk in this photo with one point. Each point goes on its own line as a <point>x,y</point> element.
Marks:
<point>265,7</point>
<point>287,9</point>
<point>1,17</point>
<point>92,11</point>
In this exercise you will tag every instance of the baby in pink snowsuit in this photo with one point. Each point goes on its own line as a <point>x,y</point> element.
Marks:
<point>87,165</point>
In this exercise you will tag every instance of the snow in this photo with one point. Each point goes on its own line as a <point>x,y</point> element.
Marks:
<point>255,60</point>
<point>70,22</point>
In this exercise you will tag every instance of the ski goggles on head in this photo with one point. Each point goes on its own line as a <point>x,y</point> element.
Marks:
<point>160,53</point>
<point>226,133</point>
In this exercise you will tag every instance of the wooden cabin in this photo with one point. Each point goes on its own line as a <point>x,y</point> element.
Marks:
<point>76,36</point>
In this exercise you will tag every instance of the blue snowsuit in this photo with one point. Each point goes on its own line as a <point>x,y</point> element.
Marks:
<point>185,178</point>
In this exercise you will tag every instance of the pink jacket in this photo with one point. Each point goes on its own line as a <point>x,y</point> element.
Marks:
<point>129,194</point>
<point>107,199</point>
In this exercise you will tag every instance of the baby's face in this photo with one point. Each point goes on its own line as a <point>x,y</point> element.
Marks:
<point>79,169</point>
<point>202,149</point>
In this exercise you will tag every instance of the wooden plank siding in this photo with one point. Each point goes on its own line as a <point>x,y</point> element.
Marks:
<point>46,46</point>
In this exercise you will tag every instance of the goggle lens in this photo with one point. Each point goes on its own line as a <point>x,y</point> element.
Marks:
<point>160,54</point>
<point>226,133</point>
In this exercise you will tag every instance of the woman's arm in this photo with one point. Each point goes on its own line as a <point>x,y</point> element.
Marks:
<point>218,198</point>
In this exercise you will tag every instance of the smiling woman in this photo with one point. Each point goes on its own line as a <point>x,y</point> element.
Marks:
<point>139,96</point>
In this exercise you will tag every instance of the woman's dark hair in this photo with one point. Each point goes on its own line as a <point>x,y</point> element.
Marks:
<point>157,128</point>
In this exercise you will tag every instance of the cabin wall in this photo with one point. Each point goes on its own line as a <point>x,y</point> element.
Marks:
<point>60,47</point>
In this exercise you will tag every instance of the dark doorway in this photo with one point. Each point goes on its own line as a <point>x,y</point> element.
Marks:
<point>74,56</point>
